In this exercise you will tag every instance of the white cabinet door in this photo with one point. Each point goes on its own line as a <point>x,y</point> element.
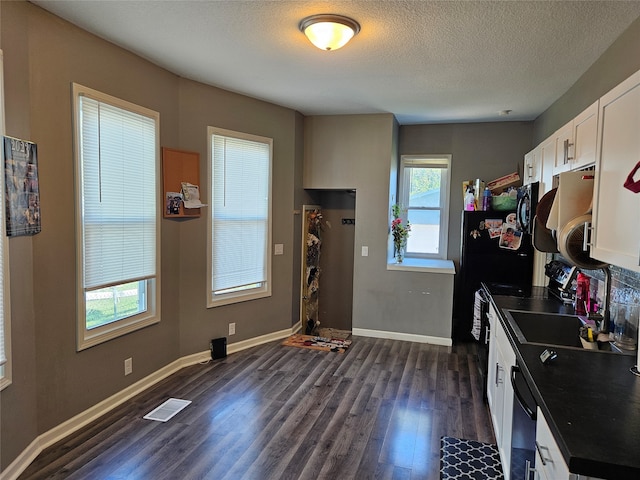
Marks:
<point>491,362</point>
<point>616,217</point>
<point>499,390</point>
<point>548,156</point>
<point>585,135</point>
<point>533,166</point>
<point>563,140</point>
<point>549,460</point>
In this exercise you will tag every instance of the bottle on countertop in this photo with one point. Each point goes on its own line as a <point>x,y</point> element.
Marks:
<point>582,294</point>
<point>469,200</point>
<point>486,199</point>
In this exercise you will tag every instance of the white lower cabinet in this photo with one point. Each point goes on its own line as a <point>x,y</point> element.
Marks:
<point>499,389</point>
<point>549,462</point>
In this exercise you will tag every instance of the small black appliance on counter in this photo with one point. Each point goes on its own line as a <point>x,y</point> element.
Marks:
<point>561,277</point>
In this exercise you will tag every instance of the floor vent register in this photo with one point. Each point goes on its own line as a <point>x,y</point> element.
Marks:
<point>167,410</point>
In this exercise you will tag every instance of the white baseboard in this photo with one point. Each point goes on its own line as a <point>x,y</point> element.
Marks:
<point>407,337</point>
<point>82,419</point>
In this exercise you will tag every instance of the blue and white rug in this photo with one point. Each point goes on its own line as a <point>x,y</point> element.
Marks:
<point>469,460</point>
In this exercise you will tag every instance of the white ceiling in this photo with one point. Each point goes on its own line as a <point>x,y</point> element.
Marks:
<point>424,61</point>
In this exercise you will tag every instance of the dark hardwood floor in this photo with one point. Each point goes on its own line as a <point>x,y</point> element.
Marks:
<point>274,412</point>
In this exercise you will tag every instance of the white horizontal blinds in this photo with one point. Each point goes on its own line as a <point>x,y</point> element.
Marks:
<point>240,192</point>
<point>118,149</point>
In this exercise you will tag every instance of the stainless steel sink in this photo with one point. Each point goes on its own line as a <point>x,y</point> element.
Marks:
<point>546,328</point>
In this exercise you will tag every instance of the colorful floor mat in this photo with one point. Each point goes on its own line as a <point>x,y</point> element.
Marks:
<point>317,343</point>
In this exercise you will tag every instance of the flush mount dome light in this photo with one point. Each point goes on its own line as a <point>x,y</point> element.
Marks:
<point>329,32</point>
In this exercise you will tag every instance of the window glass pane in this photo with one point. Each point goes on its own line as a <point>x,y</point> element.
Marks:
<point>424,185</point>
<point>425,231</point>
<point>107,305</point>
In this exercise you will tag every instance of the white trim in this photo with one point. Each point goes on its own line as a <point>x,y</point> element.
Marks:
<point>84,418</point>
<point>407,337</point>
<point>423,265</point>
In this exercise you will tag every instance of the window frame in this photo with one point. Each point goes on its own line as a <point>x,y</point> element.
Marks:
<point>264,290</point>
<point>407,162</point>
<point>6,371</point>
<point>86,338</point>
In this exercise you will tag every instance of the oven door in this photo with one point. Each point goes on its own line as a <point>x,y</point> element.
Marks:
<point>527,204</point>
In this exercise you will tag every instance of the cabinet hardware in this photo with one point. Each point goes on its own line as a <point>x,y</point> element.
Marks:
<point>528,470</point>
<point>542,457</point>
<point>567,144</point>
<point>585,239</point>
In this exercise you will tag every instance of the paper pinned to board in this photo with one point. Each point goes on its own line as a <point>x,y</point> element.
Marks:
<point>191,194</point>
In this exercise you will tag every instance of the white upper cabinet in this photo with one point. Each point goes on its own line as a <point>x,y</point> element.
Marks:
<point>574,145</point>
<point>616,212</point>
<point>563,142</point>
<point>548,157</point>
<point>585,135</point>
<point>533,166</point>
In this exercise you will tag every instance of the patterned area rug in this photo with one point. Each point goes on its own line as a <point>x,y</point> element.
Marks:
<point>317,343</point>
<point>469,460</point>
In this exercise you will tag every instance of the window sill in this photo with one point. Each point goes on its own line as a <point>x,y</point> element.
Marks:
<point>424,265</point>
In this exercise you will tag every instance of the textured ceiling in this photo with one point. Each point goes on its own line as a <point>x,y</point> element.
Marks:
<point>424,61</point>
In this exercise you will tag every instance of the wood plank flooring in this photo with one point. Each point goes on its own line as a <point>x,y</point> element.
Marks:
<point>273,412</point>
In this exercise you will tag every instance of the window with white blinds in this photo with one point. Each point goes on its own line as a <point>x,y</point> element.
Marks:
<point>118,227</point>
<point>240,221</point>
<point>5,317</point>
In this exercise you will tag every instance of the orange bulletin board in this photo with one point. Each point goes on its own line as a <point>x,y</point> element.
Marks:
<point>179,166</point>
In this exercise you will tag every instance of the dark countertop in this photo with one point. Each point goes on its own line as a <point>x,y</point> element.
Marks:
<point>590,400</point>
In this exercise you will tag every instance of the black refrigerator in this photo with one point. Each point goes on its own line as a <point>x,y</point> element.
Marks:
<point>496,251</point>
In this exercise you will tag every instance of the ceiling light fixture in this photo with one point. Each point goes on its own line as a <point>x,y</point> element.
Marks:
<point>328,31</point>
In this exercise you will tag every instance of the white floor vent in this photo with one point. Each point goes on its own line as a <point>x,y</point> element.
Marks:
<point>167,410</point>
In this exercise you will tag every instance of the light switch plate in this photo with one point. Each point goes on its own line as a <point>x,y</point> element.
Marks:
<point>365,251</point>
<point>278,249</point>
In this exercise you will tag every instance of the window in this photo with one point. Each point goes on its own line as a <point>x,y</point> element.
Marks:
<point>239,230</point>
<point>118,227</point>
<point>5,319</point>
<point>424,192</point>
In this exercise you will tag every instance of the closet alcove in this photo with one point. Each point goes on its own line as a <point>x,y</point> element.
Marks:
<point>332,296</point>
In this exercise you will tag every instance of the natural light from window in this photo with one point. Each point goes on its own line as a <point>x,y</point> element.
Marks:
<point>424,193</point>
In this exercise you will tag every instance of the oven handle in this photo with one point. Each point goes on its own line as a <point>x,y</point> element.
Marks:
<point>530,413</point>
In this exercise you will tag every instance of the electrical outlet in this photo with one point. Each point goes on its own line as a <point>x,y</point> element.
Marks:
<point>232,329</point>
<point>128,366</point>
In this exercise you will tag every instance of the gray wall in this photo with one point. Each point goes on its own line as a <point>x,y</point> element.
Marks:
<point>335,299</point>
<point>202,106</point>
<point>478,150</point>
<point>360,151</point>
<point>617,63</point>
<point>51,381</point>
